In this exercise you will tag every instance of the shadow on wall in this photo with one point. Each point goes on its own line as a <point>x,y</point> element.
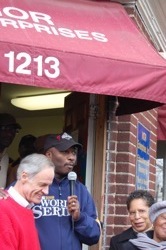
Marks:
<point>36,126</point>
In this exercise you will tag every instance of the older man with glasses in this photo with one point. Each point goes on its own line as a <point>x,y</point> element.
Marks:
<point>8,129</point>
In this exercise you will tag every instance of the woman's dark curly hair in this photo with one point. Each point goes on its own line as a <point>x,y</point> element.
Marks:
<point>140,194</point>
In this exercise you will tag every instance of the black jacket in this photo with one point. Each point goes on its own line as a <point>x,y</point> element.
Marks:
<point>121,241</point>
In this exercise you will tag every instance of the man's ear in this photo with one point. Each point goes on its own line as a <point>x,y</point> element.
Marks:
<point>24,177</point>
<point>48,154</point>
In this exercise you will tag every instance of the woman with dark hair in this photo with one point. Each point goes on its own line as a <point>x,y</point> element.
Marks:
<point>138,204</point>
<point>157,214</point>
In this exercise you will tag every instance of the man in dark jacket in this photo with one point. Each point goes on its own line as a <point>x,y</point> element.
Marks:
<point>8,130</point>
<point>65,221</point>
<point>138,204</point>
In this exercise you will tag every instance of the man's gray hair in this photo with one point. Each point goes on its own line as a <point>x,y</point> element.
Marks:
<point>33,164</point>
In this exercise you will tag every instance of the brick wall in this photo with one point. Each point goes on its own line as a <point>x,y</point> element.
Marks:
<point>120,168</point>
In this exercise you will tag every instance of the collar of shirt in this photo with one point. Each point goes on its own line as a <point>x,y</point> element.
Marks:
<point>19,199</point>
<point>3,153</point>
<point>150,228</point>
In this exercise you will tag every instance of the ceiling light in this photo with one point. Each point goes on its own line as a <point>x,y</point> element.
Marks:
<point>40,102</point>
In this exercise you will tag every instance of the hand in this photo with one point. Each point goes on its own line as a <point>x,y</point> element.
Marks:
<point>73,207</point>
<point>3,194</point>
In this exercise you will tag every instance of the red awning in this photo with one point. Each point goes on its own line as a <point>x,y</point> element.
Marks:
<point>82,46</point>
<point>161,128</point>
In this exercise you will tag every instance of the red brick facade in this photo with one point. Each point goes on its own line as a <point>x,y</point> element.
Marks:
<point>120,168</point>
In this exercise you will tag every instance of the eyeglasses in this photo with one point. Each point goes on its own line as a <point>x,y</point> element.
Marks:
<point>138,212</point>
<point>9,128</point>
